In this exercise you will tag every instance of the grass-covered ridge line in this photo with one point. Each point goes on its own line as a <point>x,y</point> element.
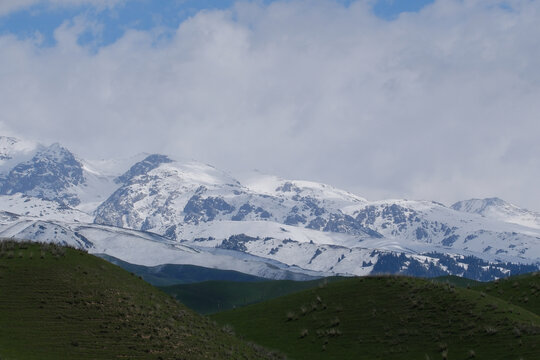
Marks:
<point>457,281</point>
<point>390,317</point>
<point>61,303</point>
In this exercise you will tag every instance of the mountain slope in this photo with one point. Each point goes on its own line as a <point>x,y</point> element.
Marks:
<point>172,274</point>
<point>59,303</point>
<point>49,210</point>
<point>144,248</point>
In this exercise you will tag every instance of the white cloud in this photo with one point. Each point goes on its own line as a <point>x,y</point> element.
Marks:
<point>441,104</point>
<point>9,6</point>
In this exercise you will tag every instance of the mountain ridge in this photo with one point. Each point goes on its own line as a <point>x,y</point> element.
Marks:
<point>311,226</point>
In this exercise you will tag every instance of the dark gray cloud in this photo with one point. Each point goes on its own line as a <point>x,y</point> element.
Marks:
<point>441,104</point>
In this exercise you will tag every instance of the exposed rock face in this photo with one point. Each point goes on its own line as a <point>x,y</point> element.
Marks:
<point>48,175</point>
<point>143,167</point>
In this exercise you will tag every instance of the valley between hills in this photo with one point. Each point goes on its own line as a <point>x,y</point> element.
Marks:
<point>62,303</point>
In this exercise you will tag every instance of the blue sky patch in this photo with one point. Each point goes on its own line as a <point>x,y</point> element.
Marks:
<point>142,15</point>
<point>390,9</point>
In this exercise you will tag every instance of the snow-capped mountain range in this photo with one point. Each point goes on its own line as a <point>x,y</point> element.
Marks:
<point>151,209</point>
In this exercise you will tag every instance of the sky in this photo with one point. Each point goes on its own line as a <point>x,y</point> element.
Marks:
<point>428,100</point>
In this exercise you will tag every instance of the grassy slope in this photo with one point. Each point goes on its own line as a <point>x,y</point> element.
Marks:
<point>520,290</point>
<point>390,318</point>
<point>77,306</point>
<point>213,296</point>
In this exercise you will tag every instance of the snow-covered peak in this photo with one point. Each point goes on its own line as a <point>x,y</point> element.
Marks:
<point>195,173</point>
<point>13,151</point>
<point>56,153</point>
<point>498,209</point>
<point>478,206</point>
<point>187,172</point>
<point>276,186</point>
<point>47,175</point>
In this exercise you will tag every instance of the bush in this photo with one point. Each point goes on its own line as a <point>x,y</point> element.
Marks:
<point>334,322</point>
<point>228,329</point>
<point>444,354</point>
<point>290,316</point>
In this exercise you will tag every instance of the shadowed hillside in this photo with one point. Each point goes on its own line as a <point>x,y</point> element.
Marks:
<point>214,296</point>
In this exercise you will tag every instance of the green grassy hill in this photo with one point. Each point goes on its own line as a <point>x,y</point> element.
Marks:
<point>214,296</point>
<point>60,303</point>
<point>520,290</point>
<point>390,318</point>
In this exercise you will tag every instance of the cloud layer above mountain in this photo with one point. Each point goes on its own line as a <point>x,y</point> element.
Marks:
<point>441,104</point>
